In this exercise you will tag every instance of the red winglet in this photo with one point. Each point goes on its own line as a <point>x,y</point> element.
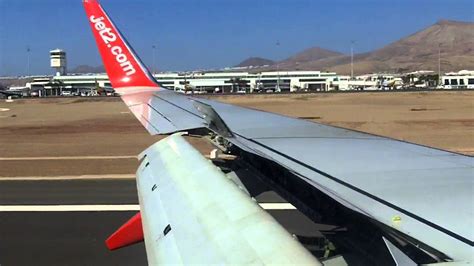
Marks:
<point>129,233</point>
<point>123,66</point>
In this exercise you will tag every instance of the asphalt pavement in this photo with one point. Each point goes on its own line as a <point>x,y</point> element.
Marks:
<point>77,237</point>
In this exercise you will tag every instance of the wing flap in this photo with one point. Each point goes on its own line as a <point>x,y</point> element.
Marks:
<point>193,214</point>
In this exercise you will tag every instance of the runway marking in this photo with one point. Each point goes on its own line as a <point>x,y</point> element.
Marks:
<point>114,207</point>
<point>68,158</point>
<point>69,208</point>
<point>277,206</point>
<point>93,157</point>
<point>68,177</point>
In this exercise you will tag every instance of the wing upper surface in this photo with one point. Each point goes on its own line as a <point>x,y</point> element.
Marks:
<point>377,176</point>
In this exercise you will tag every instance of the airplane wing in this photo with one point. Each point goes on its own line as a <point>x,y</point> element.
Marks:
<point>386,194</point>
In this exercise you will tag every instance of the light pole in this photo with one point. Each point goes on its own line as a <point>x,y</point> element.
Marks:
<point>439,65</point>
<point>28,50</point>
<point>278,71</point>
<point>153,47</point>
<point>352,59</point>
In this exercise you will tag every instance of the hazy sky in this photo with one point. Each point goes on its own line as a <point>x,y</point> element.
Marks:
<point>196,34</point>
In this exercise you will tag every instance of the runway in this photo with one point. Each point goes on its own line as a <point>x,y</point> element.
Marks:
<point>65,222</point>
<point>68,192</point>
<point>65,238</point>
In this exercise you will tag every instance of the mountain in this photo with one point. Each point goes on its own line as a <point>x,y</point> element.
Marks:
<point>85,69</point>
<point>255,61</point>
<point>455,41</point>
<point>309,55</point>
<point>419,51</point>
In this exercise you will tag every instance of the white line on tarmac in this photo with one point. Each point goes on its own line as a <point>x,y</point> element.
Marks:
<point>69,208</point>
<point>277,206</point>
<point>68,177</point>
<point>105,157</point>
<point>114,207</point>
<point>68,158</point>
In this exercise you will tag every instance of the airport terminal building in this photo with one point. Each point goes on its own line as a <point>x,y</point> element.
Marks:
<point>463,79</point>
<point>235,81</point>
<point>242,82</point>
<point>204,82</point>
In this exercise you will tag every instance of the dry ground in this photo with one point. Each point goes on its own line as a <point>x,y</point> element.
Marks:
<point>439,119</point>
<point>104,126</point>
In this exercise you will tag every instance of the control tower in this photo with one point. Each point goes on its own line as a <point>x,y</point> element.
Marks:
<point>58,61</point>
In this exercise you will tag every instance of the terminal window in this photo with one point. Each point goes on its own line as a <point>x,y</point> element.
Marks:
<point>446,82</point>
<point>454,82</point>
<point>470,81</point>
<point>461,82</point>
